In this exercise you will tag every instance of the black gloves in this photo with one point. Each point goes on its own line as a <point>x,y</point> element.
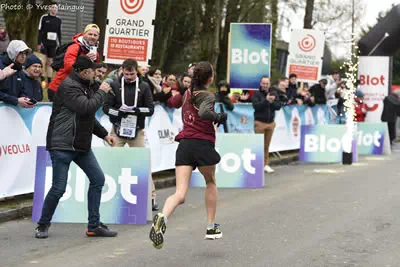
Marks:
<point>221,118</point>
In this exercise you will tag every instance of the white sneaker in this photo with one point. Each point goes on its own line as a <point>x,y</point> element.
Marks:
<point>268,169</point>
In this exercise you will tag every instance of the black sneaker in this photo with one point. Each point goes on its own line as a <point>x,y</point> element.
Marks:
<point>100,231</point>
<point>42,231</point>
<point>154,205</point>
<point>213,234</point>
<point>158,230</point>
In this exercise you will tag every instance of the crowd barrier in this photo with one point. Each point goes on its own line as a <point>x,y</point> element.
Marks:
<point>25,129</point>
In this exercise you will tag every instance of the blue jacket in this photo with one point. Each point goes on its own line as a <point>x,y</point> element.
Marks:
<point>31,88</point>
<point>12,87</point>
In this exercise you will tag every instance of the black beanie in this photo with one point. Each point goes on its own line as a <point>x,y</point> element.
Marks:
<point>83,63</point>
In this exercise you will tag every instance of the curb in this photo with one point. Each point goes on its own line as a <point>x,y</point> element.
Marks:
<point>26,210</point>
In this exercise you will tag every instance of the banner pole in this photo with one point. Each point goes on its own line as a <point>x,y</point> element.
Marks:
<point>228,68</point>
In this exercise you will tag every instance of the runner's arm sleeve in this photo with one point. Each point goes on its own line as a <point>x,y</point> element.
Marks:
<point>40,32</point>
<point>99,130</point>
<point>207,106</point>
<point>175,101</point>
<point>59,33</point>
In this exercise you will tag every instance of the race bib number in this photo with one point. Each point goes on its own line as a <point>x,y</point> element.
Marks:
<point>128,126</point>
<point>52,36</point>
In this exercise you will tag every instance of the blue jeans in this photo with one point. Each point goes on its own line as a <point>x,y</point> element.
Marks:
<point>61,161</point>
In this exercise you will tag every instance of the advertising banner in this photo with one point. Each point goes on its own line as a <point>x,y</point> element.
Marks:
<point>306,49</point>
<point>25,129</point>
<point>375,83</point>
<point>126,193</point>
<point>129,31</point>
<point>242,162</point>
<point>373,139</point>
<point>324,143</point>
<point>249,54</point>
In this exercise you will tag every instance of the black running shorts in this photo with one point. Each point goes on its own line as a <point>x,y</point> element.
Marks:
<point>196,153</point>
<point>49,51</point>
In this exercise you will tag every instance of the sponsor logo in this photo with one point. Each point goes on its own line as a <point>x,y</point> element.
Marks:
<point>307,44</point>
<point>131,6</point>
<point>14,149</point>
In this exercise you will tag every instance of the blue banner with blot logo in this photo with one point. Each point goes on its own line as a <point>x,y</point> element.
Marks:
<point>250,54</point>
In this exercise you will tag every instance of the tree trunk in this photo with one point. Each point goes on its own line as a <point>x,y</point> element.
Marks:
<point>274,19</point>
<point>308,17</point>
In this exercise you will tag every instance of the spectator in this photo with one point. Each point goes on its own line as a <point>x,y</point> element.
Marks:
<point>69,137</point>
<point>144,70</point>
<point>235,95</point>
<point>49,36</point>
<point>4,39</point>
<point>291,91</point>
<point>131,103</point>
<point>11,65</point>
<point>391,110</point>
<point>185,84</point>
<point>303,93</point>
<point>84,44</point>
<point>318,92</point>
<point>221,96</point>
<point>31,78</point>
<point>265,103</point>
<point>245,97</point>
<point>341,113</point>
<point>281,91</point>
<point>360,107</point>
<point>169,87</point>
<point>333,83</point>
<point>100,71</point>
<point>114,75</point>
<point>154,79</point>
<point>191,68</point>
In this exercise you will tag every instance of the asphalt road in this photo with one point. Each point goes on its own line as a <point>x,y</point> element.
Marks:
<point>307,215</point>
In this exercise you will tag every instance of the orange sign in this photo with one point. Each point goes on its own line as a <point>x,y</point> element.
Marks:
<point>124,48</point>
<point>304,72</point>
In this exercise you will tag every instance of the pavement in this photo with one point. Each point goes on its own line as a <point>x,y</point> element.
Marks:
<point>306,215</point>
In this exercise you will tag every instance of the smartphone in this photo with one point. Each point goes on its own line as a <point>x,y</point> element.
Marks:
<point>32,101</point>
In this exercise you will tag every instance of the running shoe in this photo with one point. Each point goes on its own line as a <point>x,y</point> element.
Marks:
<point>157,231</point>
<point>213,234</point>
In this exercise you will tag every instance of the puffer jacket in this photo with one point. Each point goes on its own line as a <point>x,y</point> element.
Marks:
<point>72,53</point>
<point>73,121</point>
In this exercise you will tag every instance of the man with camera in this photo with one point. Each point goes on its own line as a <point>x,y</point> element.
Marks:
<point>265,103</point>
<point>69,137</point>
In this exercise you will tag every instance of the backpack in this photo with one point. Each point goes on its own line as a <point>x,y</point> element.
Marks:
<point>58,62</point>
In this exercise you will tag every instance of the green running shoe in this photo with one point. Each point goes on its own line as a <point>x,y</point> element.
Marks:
<point>157,231</point>
<point>213,234</point>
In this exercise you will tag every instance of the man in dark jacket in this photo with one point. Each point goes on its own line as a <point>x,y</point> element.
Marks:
<point>265,103</point>
<point>318,92</point>
<point>129,103</point>
<point>69,138</point>
<point>11,87</point>
<point>391,110</point>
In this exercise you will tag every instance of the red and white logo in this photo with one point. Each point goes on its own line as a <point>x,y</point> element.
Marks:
<point>14,149</point>
<point>131,6</point>
<point>308,43</point>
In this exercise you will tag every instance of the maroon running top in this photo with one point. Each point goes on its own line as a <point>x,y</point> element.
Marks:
<point>198,118</point>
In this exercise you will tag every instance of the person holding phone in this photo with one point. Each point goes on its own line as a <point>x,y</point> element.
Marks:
<point>265,103</point>
<point>11,87</point>
<point>31,87</point>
